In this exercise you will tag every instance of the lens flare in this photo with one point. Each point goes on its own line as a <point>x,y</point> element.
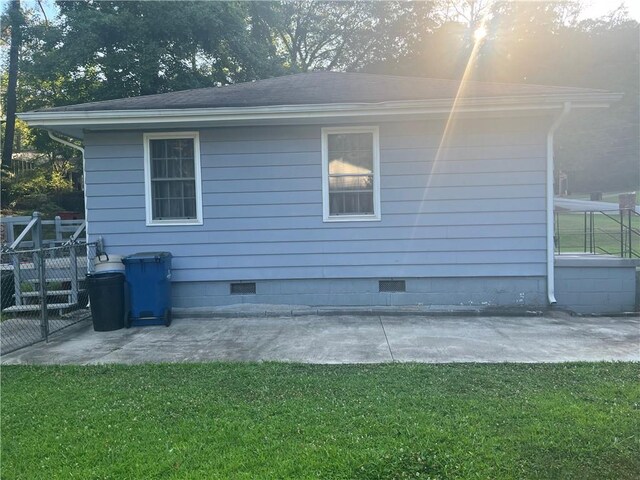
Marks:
<point>480,33</point>
<point>447,134</point>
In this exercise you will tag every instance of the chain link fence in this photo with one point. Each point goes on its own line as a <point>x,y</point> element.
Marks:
<point>43,291</point>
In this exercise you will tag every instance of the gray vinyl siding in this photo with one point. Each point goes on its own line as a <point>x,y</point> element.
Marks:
<point>477,211</point>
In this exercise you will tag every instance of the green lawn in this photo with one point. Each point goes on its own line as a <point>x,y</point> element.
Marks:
<point>570,227</point>
<point>270,420</point>
<point>612,197</point>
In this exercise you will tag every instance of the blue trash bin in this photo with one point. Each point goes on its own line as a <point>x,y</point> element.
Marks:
<point>148,277</point>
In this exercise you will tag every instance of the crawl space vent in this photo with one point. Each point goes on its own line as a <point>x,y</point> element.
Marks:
<point>392,286</point>
<point>243,288</point>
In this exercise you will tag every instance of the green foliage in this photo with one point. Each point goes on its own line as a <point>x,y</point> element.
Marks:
<point>37,189</point>
<point>141,48</point>
<point>97,50</point>
<point>311,35</point>
<point>42,179</point>
<point>543,43</point>
<point>245,420</point>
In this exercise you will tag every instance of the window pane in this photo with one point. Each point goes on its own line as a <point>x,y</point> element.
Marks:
<point>189,189</point>
<point>173,168</point>
<point>158,148</point>
<point>175,209</point>
<point>336,203</point>
<point>351,175</point>
<point>159,168</point>
<point>171,161</point>
<point>160,189</point>
<point>350,153</point>
<point>336,141</point>
<point>353,163</point>
<point>351,203</point>
<point>186,148</point>
<point>160,208</point>
<point>174,148</point>
<point>351,182</point>
<point>350,141</point>
<point>365,200</point>
<point>175,190</point>
<point>188,169</point>
<point>189,207</point>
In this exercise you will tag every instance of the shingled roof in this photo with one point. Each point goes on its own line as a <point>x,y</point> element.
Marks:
<point>322,88</point>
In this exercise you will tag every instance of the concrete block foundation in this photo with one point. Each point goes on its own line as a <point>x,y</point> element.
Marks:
<point>596,284</point>
<point>475,292</point>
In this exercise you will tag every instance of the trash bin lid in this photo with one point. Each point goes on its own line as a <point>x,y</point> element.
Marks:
<point>146,257</point>
<point>102,277</point>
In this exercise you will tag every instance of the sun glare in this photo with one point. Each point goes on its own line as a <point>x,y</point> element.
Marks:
<point>480,33</point>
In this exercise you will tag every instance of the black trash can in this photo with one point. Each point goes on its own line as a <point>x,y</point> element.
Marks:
<point>106,295</point>
<point>7,288</point>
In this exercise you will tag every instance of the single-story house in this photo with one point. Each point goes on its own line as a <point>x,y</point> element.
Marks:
<point>331,188</point>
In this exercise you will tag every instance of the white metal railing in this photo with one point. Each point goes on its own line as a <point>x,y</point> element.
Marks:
<point>59,235</point>
<point>33,227</point>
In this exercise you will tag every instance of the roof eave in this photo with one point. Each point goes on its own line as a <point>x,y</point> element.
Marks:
<point>189,115</point>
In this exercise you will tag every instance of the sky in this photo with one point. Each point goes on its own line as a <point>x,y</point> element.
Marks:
<point>598,8</point>
<point>592,8</point>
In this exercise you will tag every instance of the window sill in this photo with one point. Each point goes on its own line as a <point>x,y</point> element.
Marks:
<point>352,218</point>
<point>174,223</point>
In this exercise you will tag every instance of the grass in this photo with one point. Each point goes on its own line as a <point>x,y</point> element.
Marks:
<point>270,420</point>
<point>570,227</point>
<point>611,197</point>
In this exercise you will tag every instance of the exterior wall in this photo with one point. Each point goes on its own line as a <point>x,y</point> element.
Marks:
<point>478,211</point>
<point>597,285</point>
<point>477,292</point>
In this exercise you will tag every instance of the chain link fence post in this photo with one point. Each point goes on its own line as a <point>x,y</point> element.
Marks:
<point>73,272</point>
<point>42,281</point>
<point>39,261</point>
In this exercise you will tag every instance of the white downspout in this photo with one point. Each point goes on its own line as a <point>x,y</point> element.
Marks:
<point>551,282</point>
<point>84,178</point>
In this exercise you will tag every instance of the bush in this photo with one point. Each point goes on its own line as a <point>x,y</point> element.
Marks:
<point>41,202</point>
<point>69,201</point>
<point>47,189</point>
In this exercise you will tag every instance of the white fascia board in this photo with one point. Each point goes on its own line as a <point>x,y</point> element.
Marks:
<point>301,112</point>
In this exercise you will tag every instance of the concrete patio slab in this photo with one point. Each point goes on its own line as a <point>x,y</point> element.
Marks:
<point>513,339</point>
<point>348,339</point>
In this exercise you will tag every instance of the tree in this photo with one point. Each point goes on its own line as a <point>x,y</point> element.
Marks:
<point>600,150</point>
<point>100,50</point>
<point>103,49</point>
<point>14,21</point>
<point>312,35</point>
<point>97,50</point>
<point>545,43</point>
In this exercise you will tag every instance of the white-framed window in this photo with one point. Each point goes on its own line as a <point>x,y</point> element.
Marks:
<point>350,174</point>
<point>173,192</point>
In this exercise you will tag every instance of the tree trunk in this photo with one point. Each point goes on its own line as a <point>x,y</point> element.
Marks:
<point>16,20</point>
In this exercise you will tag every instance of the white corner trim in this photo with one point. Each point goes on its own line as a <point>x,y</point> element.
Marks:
<point>326,217</point>
<point>150,222</point>
<point>551,293</point>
